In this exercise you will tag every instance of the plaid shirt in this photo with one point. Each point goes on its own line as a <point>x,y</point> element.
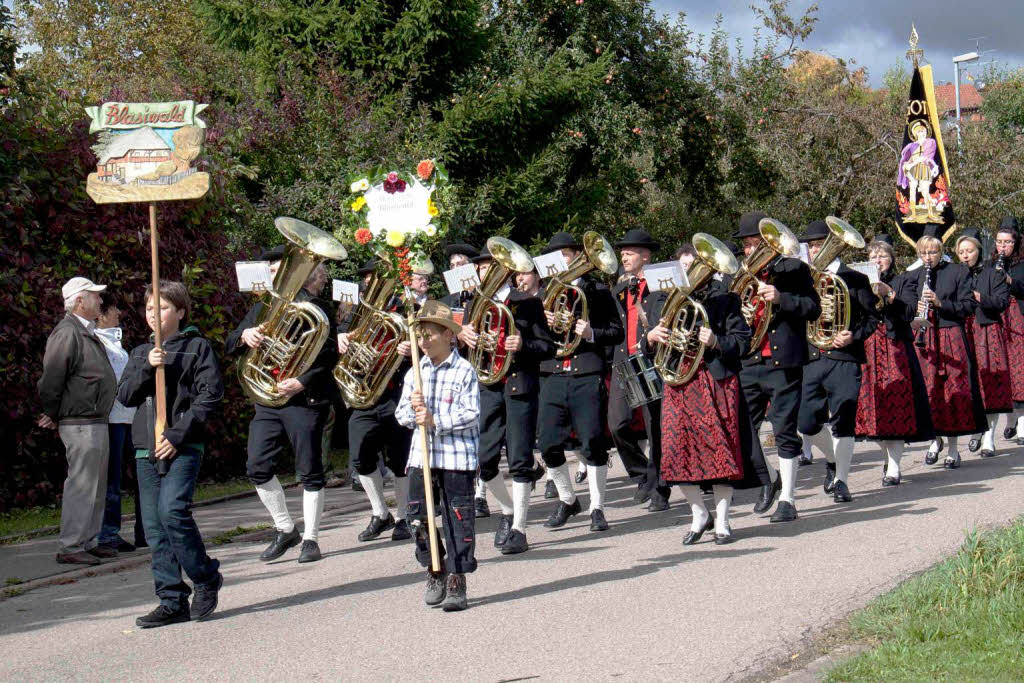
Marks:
<point>452,396</point>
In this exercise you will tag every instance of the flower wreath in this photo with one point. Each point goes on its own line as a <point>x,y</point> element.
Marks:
<point>396,216</point>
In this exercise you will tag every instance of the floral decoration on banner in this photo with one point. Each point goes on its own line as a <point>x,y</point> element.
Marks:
<point>398,216</point>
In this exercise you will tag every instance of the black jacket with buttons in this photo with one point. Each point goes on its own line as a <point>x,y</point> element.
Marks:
<point>590,356</point>
<point>797,303</point>
<point>864,318</point>
<point>619,293</point>
<point>538,345</point>
<point>951,283</point>
<point>898,313</point>
<point>995,294</point>
<point>1016,273</point>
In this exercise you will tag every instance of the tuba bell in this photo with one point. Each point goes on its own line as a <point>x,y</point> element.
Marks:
<point>492,319</point>
<point>597,253</point>
<point>833,292</point>
<point>679,357</point>
<point>365,369</point>
<point>776,240</point>
<point>293,332</point>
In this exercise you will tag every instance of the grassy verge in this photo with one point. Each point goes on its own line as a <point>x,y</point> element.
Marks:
<point>962,620</point>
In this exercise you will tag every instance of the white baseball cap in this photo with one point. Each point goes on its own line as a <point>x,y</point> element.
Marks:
<point>80,284</point>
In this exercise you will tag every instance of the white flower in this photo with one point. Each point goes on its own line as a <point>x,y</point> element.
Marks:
<point>430,230</point>
<point>360,186</point>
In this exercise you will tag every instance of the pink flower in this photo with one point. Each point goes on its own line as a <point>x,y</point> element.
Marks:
<point>392,177</point>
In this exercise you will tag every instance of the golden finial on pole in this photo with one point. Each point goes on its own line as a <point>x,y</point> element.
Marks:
<point>914,53</point>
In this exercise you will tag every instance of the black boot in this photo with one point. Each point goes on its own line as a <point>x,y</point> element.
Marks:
<point>562,514</point>
<point>767,497</point>
<point>280,545</point>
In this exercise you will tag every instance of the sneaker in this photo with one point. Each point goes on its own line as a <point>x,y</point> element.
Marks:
<point>205,599</point>
<point>401,532</point>
<point>455,587</point>
<point>163,616</point>
<point>310,552</point>
<point>376,527</point>
<point>435,592</point>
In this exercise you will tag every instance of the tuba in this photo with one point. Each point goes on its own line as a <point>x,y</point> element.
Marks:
<point>678,358</point>
<point>597,253</point>
<point>372,358</point>
<point>293,332</point>
<point>492,319</point>
<point>776,240</point>
<point>833,292</point>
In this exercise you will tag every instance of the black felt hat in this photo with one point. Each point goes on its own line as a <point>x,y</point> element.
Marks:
<point>368,267</point>
<point>1009,223</point>
<point>273,254</point>
<point>483,255</point>
<point>749,223</point>
<point>638,238</point>
<point>970,234</point>
<point>467,250</point>
<point>816,230</point>
<point>736,249</point>
<point>561,240</point>
<point>884,238</point>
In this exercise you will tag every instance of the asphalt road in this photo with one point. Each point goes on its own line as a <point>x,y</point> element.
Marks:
<point>631,603</point>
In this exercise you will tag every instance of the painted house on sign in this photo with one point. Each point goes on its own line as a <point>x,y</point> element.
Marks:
<point>132,154</point>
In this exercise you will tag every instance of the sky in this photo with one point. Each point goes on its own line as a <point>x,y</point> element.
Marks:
<point>874,33</point>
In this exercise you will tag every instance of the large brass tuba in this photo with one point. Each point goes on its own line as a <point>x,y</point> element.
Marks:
<point>597,253</point>
<point>293,332</point>
<point>678,358</point>
<point>492,319</point>
<point>776,240</point>
<point>833,292</point>
<point>372,357</point>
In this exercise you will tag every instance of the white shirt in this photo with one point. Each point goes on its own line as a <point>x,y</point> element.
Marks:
<point>118,357</point>
<point>90,325</point>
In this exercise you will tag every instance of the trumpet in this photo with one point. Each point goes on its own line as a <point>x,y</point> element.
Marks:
<point>776,240</point>
<point>597,253</point>
<point>679,357</point>
<point>833,292</point>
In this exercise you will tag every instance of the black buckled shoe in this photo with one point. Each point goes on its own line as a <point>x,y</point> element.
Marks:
<point>455,598</point>
<point>581,476</point>
<point>597,521</point>
<point>562,514</point>
<point>550,490</point>
<point>890,481</point>
<point>401,532</point>
<point>987,454</point>
<point>1010,432</point>
<point>280,545</point>
<point>482,509</point>
<point>309,552</point>
<point>503,530</point>
<point>163,616</point>
<point>841,492</point>
<point>376,527</point>
<point>932,457</point>
<point>973,445</point>
<point>515,544</point>
<point>435,591</point>
<point>205,599</point>
<point>766,498</point>
<point>784,512</point>
<point>692,537</point>
<point>830,477</point>
<point>952,463</point>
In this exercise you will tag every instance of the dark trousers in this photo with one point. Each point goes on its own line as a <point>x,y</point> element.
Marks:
<point>627,441</point>
<point>170,529</point>
<point>829,396</point>
<point>374,434</point>
<point>302,427</point>
<point>120,440</point>
<point>572,403</point>
<point>781,388</point>
<point>510,421</point>
<point>454,489</point>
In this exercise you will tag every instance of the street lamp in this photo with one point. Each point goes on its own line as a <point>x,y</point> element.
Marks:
<point>957,61</point>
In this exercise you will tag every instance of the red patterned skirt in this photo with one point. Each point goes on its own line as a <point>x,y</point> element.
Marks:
<point>885,407</point>
<point>989,344</point>
<point>1013,332</point>
<point>948,371</point>
<point>700,430</point>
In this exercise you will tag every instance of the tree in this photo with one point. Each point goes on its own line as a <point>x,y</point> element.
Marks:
<point>8,43</point>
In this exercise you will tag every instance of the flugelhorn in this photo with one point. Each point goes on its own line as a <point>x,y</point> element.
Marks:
<point>833,292</point>
<point>776,240</point>
<point>597,253</point>
<point>491,319</point>
<point>679,357</point>
<point>293,332</point>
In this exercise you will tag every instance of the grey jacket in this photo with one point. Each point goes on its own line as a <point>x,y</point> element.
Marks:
<point>77,385</point>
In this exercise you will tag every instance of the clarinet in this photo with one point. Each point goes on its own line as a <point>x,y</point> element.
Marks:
<point>919,335</point>
<point>1001,264</point>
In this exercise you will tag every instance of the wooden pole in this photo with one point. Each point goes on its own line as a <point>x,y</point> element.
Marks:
<point>428,487</point>
<point>161,381</point>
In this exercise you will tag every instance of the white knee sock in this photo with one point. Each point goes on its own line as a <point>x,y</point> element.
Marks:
<point>374,485</point>
<point>272,496</point>
<point>788,472</point>
<point>401,496</point>
<point>312,511</point>
<point>842,449</point>
<point>1020,425</point>
<point>481,488</point>
<point>696,500</point>
<point>723,498</point>
<point>560,475</point>
<point>597,480</point>
<point>988,438</point>
<point>893,452</point>
<point>952,448</point>
<point>934,447</point>
<point>521,500</point>
<point>499,489</point>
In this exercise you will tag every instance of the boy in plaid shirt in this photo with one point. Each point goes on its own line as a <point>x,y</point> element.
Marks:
<point>449,407</point>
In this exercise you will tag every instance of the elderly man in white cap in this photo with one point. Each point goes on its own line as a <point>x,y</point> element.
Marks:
<point>77,389</point>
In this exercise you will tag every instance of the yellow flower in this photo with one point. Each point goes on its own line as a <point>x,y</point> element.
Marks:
<point>360,186</point>
<point>432,208</point>
<point>395,238</point>
<point>358,204</point>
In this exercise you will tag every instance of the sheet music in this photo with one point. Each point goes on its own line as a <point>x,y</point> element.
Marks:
<point>665,275</point>
<point>867,268</point>
<point>550,264</point>
<point>254,276</point>
<point>461,278</point>
<point>345,292</point>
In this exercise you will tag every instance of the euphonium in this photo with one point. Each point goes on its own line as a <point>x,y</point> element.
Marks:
<point>367,366</point>
<point>679,357</point>
<point>293,332</point>
<point>776,240</point>
<point>492,319</point>
<point>597,253</point>
<point>833,292</point>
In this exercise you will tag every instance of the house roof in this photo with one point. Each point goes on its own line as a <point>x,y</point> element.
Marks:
<point>140,138</point>
<point>945,97</point>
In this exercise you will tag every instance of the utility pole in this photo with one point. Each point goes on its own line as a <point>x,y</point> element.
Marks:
<point>957,61</point>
